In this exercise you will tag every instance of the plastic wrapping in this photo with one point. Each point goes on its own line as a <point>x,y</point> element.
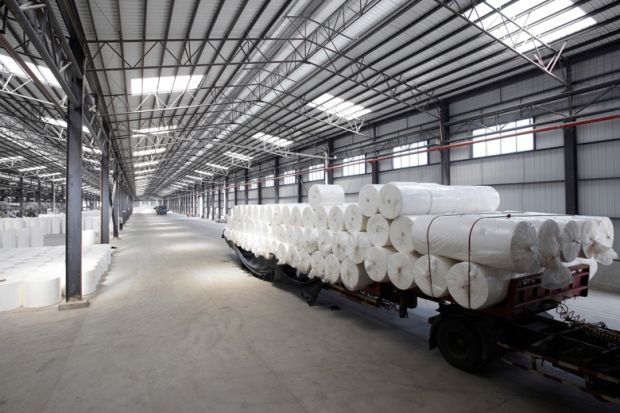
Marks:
<point>412,198</point>
<point>378,230</point>
<point>492,240</point>
<point>368,199</point>
<point>322,195</point>
<point>431,274</point>
<point>354,219</point>
<point>376,262</point>
<point>400,270</point>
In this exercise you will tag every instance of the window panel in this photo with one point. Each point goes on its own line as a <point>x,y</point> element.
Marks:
<point>316,173</point>
<point>408,155</point>
<point>509,144</point>
<point>354,166</point>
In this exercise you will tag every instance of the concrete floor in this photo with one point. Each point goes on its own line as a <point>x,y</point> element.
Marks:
<point>178,326</point>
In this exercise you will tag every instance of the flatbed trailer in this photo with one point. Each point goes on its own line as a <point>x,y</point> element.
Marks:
<point>518,330</point>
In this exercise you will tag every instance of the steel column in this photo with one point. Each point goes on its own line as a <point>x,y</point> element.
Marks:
<point>73,201</point>
<point>571,182</point>
<point>444,138</point>
<point>39,197</point>
<point>20,192</point>
<point>104,194</point>
<point>115,203</point>
<point>329,172</point>
<point>246,188</point>
<point>276,180</point>
<point>225,195</point>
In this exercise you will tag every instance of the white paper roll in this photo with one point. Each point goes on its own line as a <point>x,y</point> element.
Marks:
<point>23,238</point>
<point>400,270</point>
<point>89,280</point>
<point>10,293</point>
<point>41,291</point>
<point>495,241</point>
<point>332,269</point>
<point>326,241</point>
<point>320,216</point>
<point>555,275</point>
<point>361,243</point>
<point>308,219</point>
<point>431,274</point>
<point>400,233</point>
<point>376,263</point>
<point>342,246</point>
<point>36,237</point>
<point>303,263</point>
<point>317,265</point>
<point>8,238</point>
<point>285,217</point>
<point>296,212</point>
<point>482,288</point>
<point>354,219</point>
<point>322,195</point>
<point>378,229</point>
<point>404,198</point>
<point>368,199</point>
<point>597,239</point>
<point>354,275</point>
<point>335,218</point>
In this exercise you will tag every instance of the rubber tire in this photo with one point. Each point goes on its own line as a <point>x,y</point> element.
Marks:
<point>460,344</point>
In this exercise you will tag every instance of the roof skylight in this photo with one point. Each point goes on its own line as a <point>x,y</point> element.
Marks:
<point>164,84</point>
<point>274,140</point>
<point>338,106</point>
<point>145,152</point>
<point>61,123</point>
<point>238,156</point>
<point>155,130</point>
<point>204,172</point>
<point>48,175</point>
<point>11,158</point>
<point>10,66</point>
<point>216,166</point>
<point>145,163</point>
<point>32,168</point>
<point>539,17</point>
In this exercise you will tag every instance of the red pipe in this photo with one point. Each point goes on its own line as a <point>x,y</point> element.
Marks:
<point>455,145</point>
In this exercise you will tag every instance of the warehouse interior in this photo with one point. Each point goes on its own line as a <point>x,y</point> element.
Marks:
<point>151,149</point>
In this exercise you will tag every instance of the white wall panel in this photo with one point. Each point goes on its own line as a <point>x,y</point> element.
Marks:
<point>429,173</point>
<point>541,197</point>
<point>600,197</point>
<point>599,160</point>
<point>288,191</point>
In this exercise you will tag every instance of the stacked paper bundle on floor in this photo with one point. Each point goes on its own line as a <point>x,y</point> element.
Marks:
<point>30,232</point>
<point>443,240</point>
<point>35,277</point>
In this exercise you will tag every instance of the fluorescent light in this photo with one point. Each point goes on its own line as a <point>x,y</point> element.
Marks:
<point>164,84</point>
<point>145,163</point>
<point>204,172</point>
<point>32,168</point>
<point>274,140</point>
<point>196,178</point>
<point>11,158</point>
<point>50,174</point>
<point>57,179</point>
<point>213,165</point>
<point>338,106</point>
<point>238,156</point>
<point>145,152</point>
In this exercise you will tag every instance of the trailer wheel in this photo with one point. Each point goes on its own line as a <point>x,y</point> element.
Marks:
<point>460,344</point>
